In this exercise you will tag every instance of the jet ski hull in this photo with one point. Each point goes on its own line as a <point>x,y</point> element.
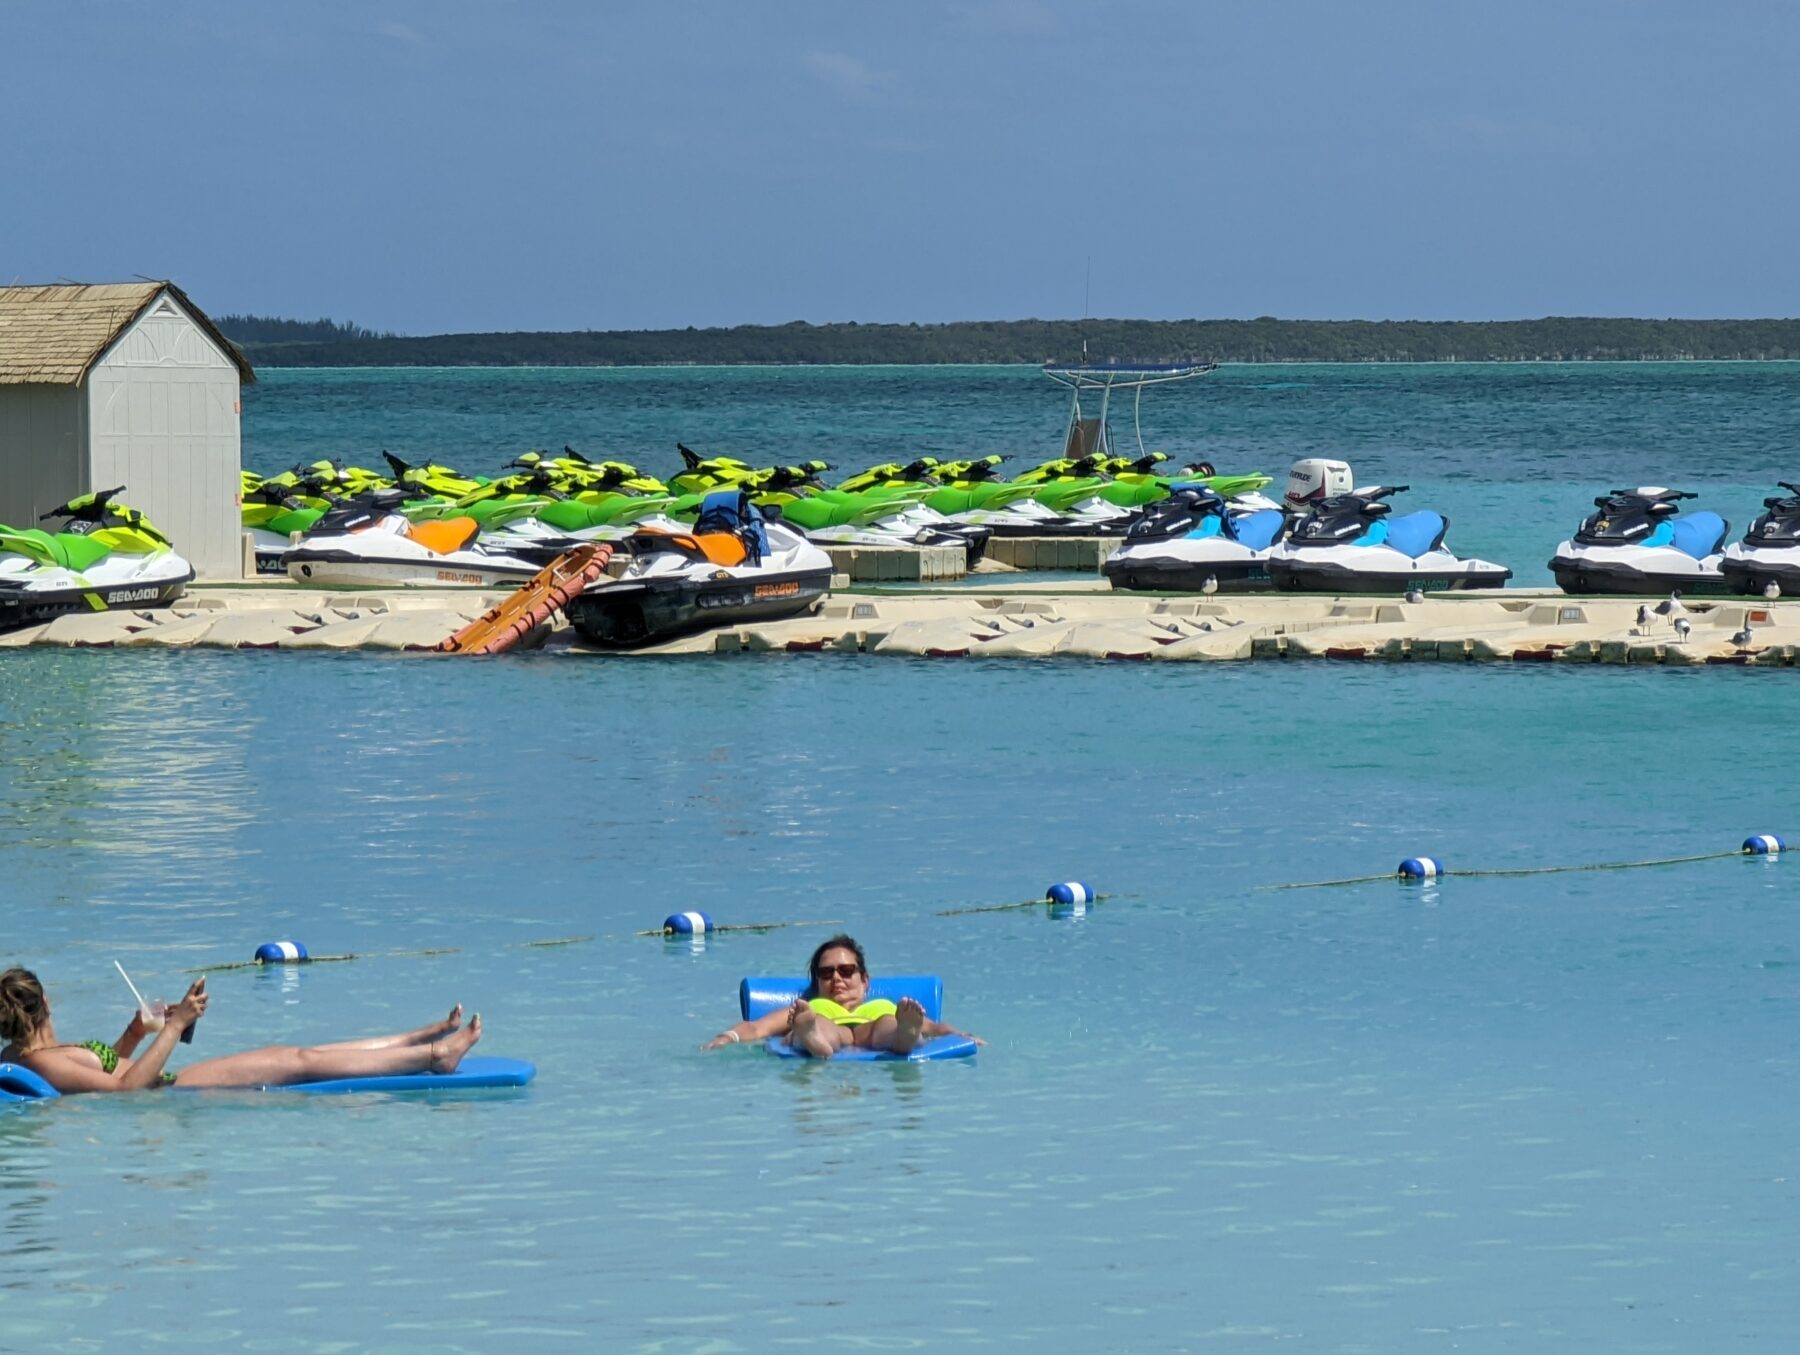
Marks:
<point>1170,574</point>
<point>1749,572</point>
<point>24,606</point>
<point>341,569</point>
<point>627,613</point>
<point>1351,569</point>
<point>1635,570</point>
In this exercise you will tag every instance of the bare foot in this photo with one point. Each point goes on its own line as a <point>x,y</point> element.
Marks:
<point>448,1052</point>
<point>813,1033</point>
<point>454,1020</point>
<point>909,1025</point>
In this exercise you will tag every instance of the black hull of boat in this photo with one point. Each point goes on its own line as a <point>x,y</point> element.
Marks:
<point>1748,578</point>
<point>1580,577</point>
<point>629,613</point>
<point>1180,576</point>
<point>1326,578</point>
<point>23,607</point>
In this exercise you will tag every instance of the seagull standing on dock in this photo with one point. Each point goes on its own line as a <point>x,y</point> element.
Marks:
<point>1643,614</point>
<point>1211,586</point>
<point>1742,638</point>
<point>1670,609</point>
<point>1414,595</point>
<point>1682,628</point>
<point>1771,590</point>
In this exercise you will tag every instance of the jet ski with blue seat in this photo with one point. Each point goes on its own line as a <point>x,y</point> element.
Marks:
<point>736,564</point>
<point>1770,550</point>
<point>104,555</point>
<point>1350,543</point>
<point>1639,541</point>
<point>1194,536</point>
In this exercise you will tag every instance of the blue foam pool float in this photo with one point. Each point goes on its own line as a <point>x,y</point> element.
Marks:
<point>758,997</point>
<point>18,1083</point>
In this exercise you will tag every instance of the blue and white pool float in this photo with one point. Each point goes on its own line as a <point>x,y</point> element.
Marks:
<point>19,1083</point>
<point>758,997</point>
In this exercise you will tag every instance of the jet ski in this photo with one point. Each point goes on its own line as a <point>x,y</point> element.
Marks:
<point>368,541</point>
<point>736,564</point>
<point>106,555</point>
<point>1640,542</point>
<point>1770,550</point>
<point>1196,535</point>
<point>1347,543</point>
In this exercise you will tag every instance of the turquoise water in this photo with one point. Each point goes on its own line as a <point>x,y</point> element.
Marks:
<point>1539,1112</point>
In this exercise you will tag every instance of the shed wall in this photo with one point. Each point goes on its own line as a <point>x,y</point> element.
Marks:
<point>43,439</point>
<point>163,415</point>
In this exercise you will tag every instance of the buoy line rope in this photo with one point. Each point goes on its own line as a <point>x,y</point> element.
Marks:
<point>1008,907</point>
<point>1515,870</point>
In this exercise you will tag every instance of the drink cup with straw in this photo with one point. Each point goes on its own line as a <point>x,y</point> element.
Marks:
<point>152,1015</point>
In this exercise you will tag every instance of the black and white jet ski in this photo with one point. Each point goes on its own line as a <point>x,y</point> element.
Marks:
<point>1195,536</point>
<point>735,565</point>
<point>1347,543</point>
<point>106,555</point>
<point>1770,550</point>
<point>1638,541</point>
<point>367,541</point>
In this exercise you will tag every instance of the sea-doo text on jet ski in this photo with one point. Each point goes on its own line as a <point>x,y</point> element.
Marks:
<point>106,556</point>
<point>735,565</point>
<point>367,540</point>
<point>1639,542</point>
<point>1347,543</point>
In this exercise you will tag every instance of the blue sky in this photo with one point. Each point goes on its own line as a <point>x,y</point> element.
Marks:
<point>435,165</point>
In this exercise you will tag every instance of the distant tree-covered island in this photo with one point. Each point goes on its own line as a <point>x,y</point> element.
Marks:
<point>272,342</point>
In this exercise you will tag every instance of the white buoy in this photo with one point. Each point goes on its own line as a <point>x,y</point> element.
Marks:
<point>1420,868</point>
<point>1764,844</point>
<point>687,924</point>
<point>282,952</point>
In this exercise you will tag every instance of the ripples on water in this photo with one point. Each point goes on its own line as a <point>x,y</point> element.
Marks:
<point>1542,1112</point>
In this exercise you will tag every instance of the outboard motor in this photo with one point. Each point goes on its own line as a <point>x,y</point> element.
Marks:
<point>1315,479</point>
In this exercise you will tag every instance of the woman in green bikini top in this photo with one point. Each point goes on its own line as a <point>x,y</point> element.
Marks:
<point>836,1013</point>
<point>96,1066</point>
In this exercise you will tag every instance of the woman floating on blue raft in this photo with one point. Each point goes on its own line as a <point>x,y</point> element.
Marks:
<point>96,1066</point>
<point>834,1014</point>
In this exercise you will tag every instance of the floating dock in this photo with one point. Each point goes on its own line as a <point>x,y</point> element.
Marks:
<point>1010,620</point>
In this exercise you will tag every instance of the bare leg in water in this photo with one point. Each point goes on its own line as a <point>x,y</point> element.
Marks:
<point>437,1030</point>
<point>284,1065</point>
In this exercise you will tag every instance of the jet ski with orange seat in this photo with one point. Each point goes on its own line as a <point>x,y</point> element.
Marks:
<point>368,542</point>
<point>739,563</point>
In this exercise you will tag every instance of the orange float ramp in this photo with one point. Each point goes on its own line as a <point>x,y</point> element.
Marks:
<point>500,628</point>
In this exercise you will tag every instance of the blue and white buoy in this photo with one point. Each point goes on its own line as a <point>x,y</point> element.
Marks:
<point>1420,868</point>
<point>282,952</point>
<point>1764,844</point>
<point>1071,891</point>
<point>687,924</point>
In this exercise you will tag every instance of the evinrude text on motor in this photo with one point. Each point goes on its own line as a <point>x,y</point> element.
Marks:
<point>106,555</point>
<point>1770,550</point>
<point>735,565</point>
<point>1194,536</point>
<point>1348,543</point>
<point>1638,541</point>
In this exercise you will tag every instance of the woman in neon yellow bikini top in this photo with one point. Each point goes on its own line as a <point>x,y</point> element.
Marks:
<point>836,1012</point>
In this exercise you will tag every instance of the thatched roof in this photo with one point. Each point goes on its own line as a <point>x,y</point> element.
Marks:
<point>52,335</point>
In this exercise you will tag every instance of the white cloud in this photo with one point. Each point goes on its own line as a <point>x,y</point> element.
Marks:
<point>846,74</point>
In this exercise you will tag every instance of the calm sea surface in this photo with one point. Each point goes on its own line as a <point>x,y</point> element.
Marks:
<point>1539,1112</point>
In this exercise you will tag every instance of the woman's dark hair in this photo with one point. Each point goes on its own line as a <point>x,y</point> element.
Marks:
<point>22,1006</point>
<point>838,942</point>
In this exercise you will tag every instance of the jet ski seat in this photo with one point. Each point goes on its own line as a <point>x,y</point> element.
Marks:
<point>63,549</point>
<point>1257,530</point>
<point>1416,533</point>
<point>1698,534</point>
<point>444,536</point>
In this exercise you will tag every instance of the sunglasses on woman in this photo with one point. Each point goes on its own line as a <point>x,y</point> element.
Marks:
<point>843,971</point>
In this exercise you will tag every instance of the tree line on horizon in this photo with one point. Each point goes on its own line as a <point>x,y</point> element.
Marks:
<point>326,343</point>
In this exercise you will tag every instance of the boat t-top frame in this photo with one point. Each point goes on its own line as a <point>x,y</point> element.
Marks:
<point>1106,378</point>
